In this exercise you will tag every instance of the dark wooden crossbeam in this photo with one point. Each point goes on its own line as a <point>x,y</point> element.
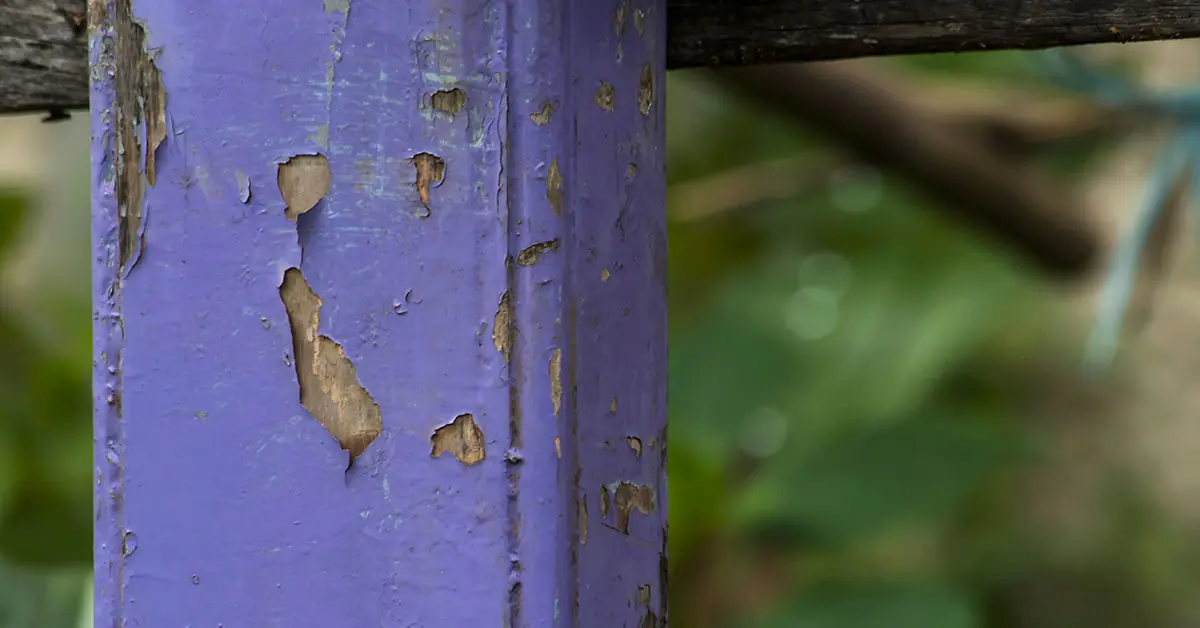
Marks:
<point>43,55</point>
<point>43,43</point>
<point>750,32</point>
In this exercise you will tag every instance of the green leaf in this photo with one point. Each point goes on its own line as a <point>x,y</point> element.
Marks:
<point>722,369</point>
<point>86,619</point>
<point>14,206</point>
<point>898,605</point>
<point>43,528</point>
<point>9,469</point>
<point>45,450</point>
<point>698,503</point>
<point>42,599</point>
<point>873,480</point>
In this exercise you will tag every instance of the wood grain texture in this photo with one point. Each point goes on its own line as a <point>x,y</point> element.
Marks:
<point>747,32</point>
<point>43,55</point>
<point>43,50</point>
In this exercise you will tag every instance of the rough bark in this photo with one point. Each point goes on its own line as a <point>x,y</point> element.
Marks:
<point>43,55</point>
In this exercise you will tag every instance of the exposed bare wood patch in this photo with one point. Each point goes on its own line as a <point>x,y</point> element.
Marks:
<point>532,253</point>
<point>449,101</point>
<point>303,181</point>
<point>554,187</point>
<point>630,498</point>
<point>543,116</point>
<point>431,169</point>
<point>461,438</point>
<point>646,91</point>
<point>139,111</point>
<point>502,326</point>
<point>556,387</point>
<point>329,387</point>
<point>606,96</point>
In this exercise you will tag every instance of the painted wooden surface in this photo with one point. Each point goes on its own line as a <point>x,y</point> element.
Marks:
<point>380,315</point>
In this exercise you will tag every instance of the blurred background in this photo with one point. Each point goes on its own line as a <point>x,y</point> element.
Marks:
<point>45,378</point>
<point>879,415</point>
<point>880,289</point>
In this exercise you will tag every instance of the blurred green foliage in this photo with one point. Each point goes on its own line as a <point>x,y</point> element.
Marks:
<point>898,605</point>
<point>45,448</point>
<point>850,382</point>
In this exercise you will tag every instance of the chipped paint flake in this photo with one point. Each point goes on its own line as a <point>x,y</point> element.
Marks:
<point>139,129</point>
<point>95,18</point>
<point>649,620</point>
<point>329,387</point>
<point>583,521</point>
<point>554,187</point>
<point>630,498</point>
<point>320,137</point>
<point>619,18</point>
<point>431,170</point>
<point>556,387</point>
<point>502,326</point>
<point>461,438</point>
<point>532,253</point>
<point>337,6</point>
<point>646,91</point>
<point>606,96</point>
<point>543,116</point>
<point>243,183</point>
<point>303,181</point>
<point>449,101</point>
<point>635,444</point>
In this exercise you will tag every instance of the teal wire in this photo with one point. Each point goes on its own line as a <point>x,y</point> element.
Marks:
<point>1181,106</point>
<point>1101,346</point>
<point>1066,69</point>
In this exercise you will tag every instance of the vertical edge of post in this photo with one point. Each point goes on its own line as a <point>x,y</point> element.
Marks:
<point>587,197</point>
<point>537,116</point>
<point>106,321</point>
<point>617,310</point>
<point>482,241</point>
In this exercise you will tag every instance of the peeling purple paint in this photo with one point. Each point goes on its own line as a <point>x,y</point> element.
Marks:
<point>248,517</point>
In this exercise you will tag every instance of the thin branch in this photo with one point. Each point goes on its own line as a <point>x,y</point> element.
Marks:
<point>750,185</point>
<point>1006,122</point>
<point>973,185</point>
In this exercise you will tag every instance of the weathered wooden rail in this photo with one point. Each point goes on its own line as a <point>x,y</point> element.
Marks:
<point>43,46</point>
<point>380,315</point>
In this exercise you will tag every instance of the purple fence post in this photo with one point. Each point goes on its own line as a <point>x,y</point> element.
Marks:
<point>380,313</point>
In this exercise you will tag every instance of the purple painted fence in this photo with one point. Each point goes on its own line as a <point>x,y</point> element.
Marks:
<point>380,313</point>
